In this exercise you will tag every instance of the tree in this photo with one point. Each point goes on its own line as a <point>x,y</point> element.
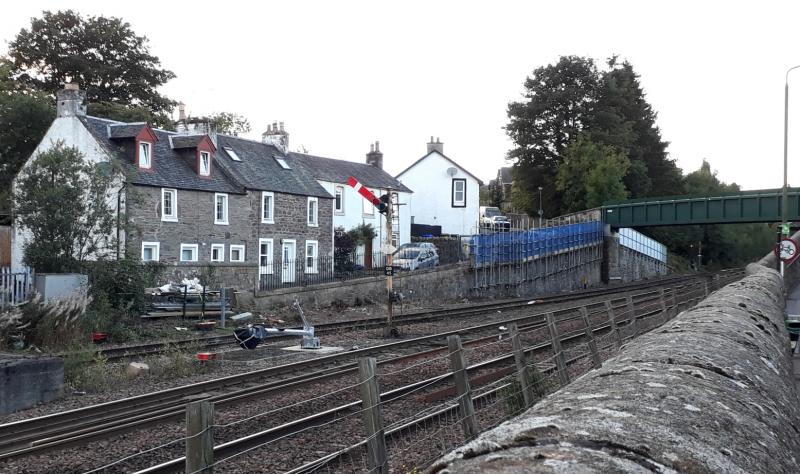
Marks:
<point>591,175</point>
<point>623,118</point>
<point>570,98</point>
<point>229,123</point>
<point>24,118</point>
<point>63,203</point>
<point>124,113</point>
<point>557,107</point>
<point>102,54</point>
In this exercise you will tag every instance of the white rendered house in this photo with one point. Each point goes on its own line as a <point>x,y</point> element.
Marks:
<point>350,209</point>
<point>445,194</point>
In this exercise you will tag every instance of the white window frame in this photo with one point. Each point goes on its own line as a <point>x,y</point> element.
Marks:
<point>269,267</point>
<point>463,201</point>
<point>205,170</point>
<point>241,249</point>
<point>156,246</point>
<point>282,162</point>
<point>367,208</point>
<point>315,222</point>
<point>193,247</point>
<point>169,217</point>
<point>338,190</point>
<point>221,248</point>
<point>224,220</point>
<point>271,218</point>
<point>147,164</point>
<point>314,268</point>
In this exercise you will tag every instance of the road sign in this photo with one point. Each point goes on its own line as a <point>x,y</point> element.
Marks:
<point>786,228</point>
<point>388,270</point>
<point>786,250</point>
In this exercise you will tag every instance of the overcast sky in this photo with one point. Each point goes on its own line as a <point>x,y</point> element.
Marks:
<point>342,74</point>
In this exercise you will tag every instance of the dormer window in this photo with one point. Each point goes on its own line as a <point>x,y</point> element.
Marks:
<point>145,155</point>
<point>205,163</point>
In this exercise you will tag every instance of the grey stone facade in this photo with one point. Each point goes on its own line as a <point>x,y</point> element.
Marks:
<point>196,225</point>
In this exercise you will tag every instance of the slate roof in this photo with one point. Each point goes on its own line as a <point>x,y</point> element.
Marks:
<point>259,169</point>
<point>124,130</point>
<point>186,141</point>
<point>169,170</point>
<point>337,171</point>
<point>480,183</point>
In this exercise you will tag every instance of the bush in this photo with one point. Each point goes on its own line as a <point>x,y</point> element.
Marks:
<point>52,325</point>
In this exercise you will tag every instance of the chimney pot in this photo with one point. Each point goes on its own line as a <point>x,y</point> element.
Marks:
<point>377,146</point>
<point>375,157</point>
<point>281,126</point>
<point>436,146</point>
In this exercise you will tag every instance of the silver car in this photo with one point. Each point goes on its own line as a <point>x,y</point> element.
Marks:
<point>414,257</point>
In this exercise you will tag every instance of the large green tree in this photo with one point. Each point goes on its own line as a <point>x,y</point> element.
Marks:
<point>591,175</point>
<point>573,97</point>
<point>102,54</point>
<point>623,118</point>
<point>557,106</point>
<point>25,116</point>
<point>63,203</point>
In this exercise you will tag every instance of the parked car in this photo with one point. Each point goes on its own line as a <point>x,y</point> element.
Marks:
<point>414,257</point>
<point>492,218</point>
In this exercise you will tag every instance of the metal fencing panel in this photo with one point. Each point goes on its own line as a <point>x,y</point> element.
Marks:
<point>15,287</point>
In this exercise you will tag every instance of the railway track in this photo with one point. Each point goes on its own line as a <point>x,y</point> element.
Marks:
<point>144,350</point>
<point>77,427</point>
<point>235,447</point>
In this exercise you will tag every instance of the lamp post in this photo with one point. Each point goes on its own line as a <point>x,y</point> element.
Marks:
<point>785,191</point>
<point>540,206</point>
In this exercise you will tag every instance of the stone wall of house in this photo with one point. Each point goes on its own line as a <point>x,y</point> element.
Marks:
<point>196,225</point>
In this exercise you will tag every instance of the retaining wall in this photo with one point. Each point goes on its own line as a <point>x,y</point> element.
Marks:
<point>450,284</point>
<point>710,391</point>
<point>26,381</point>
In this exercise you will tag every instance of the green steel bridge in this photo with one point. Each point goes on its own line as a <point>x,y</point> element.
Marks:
<point>741,207</point>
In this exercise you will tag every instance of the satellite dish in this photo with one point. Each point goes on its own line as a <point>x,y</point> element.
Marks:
<point>451,171</point>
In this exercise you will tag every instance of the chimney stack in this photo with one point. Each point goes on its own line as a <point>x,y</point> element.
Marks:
<point>277,137</point>
<point>70,101</point>
<point>375,157</point>
<point>436,146</point>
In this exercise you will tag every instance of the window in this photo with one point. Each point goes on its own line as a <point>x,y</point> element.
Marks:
<point>205,163</point>
<point>217,252</point>
<point>312,211</point>
<point>220,209</point>
<point>265,256</point>
<point>267,207</point>
<point>312,246</point>
<point>232,154</point>
<point>237,253</point>
<point>188,252</point>
<point>367,208</point>
<point>339,202</point>
<point>145,156</point>
<point>459,192</point>
<point>283,163</point>
<point>150,251</point>
<point>169,205</point>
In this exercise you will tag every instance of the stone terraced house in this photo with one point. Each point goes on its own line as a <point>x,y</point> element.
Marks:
<point>194,198</point>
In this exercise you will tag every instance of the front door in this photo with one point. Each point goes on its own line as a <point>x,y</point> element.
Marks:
<point>288,262</point>
<point>264,257</point>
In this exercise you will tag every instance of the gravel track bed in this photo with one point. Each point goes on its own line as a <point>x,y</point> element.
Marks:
<point>299,448</point>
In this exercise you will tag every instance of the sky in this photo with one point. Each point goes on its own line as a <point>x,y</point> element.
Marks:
<point>343,74</point>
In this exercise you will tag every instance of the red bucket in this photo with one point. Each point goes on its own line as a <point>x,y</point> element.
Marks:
<point>204,356</point>
<point>98,337</point>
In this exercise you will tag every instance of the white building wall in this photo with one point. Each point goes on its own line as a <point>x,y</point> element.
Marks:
<point>72,132</point>
<point>353,213</point>
<point>431,203</point>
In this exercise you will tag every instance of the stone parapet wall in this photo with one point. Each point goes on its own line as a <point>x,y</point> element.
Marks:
<point>710,391</point>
